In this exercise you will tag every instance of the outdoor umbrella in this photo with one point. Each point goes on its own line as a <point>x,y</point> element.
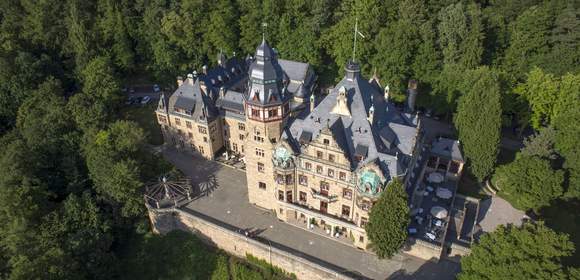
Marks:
<point>435,177</point>
<point>444,193</point>
<point>439,212</point>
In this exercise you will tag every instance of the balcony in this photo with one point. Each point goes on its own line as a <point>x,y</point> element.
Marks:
<point>323,196</point>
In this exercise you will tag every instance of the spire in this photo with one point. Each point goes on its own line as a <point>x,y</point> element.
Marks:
<point>264,25</point>
<point>356,34</point>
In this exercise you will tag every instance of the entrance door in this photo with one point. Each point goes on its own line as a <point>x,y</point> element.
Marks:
<point>289,196</point>
<point>323,206</point>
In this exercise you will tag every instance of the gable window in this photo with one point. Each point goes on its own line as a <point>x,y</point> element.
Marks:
<point>324,188</point>
<point>262,185</point>
<point>162,119</point>
<point>346,193</point>
<point>302,197</point>
<point>326,141</point>
<point>342,176</point>
<point>205,139</point>
<point>303,180</point>
<point>345,211</point>
<point>330,173</point>
<point>202,129</point>
<point>363,222</point>
<point>260,167</point>
<point>241,126</point>
<point>331,158</point>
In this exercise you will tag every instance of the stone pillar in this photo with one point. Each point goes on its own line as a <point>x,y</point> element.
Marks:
<point>307,222</point>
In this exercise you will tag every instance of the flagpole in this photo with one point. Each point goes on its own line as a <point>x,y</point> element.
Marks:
<point>354,45</point>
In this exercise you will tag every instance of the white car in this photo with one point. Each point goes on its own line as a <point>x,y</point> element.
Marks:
<point>156,88</point>
<point>145,100</point>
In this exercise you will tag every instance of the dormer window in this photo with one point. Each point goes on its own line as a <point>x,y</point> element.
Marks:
<point>326,142</point>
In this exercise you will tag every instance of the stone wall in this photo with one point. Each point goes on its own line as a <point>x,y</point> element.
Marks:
<point>230,240</point>
<point>423,250</point>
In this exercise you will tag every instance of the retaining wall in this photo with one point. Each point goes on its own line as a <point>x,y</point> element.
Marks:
<point>231,240</point>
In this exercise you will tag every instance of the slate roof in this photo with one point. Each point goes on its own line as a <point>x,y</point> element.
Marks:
<point>447,148</point>
<point>354,133</point>
<point>192,101</point>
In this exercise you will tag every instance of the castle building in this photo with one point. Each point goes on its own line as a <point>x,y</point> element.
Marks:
<point>319,164</point>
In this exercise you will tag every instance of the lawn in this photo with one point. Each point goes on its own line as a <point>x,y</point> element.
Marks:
<point>145,117</point>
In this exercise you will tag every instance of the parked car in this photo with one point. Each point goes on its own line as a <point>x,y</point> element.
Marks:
<point>156,88</point>
<point>145,100</point>
<point>138,100</point>
<point>130,100</point>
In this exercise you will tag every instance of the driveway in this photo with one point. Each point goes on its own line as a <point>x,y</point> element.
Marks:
<point>223,196</point>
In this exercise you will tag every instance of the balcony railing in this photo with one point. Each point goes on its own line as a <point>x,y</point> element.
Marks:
<point>323,196</point>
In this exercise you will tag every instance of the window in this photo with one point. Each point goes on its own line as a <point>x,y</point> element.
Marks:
<point>162,119</point>
<point>331,158</point>
<point>302,197</point>
<point>177,121</point>
<point>241,136</point>
<point>330,173</point>
<point>319,169</point>
<point>180,132</point>
<point>190,135</point>
<point>319,154</point>
<point>342,176</point>
<point>205,139</point>
<point>202,129</point>
<point>345,211</point>
<point>262,185</point>
<point>255,113</point>
<point>308,166</point>
<point>235,147</point>
<point>259,152</point>
<point>326,141</point>
<point>324,188</point>
<point>260,167</point>
<point>281,195</point>
<point>241,126</point>
<point>454,167</point>
<point>346,193</point>
<point>303,180</point>
<point>361,239</point>
<point>363,222</point>
<point>200,149</point>
<point>272,113</point>
<point>258,136</point>
<point>188,124</point>
<point>365,205</point>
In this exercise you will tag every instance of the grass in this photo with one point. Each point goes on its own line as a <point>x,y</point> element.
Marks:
<point>145,117</point>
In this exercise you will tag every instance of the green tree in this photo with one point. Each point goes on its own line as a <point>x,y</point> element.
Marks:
<point>478,121</point>
<point>112,159</point>
<point>540,144</point>
<point>221,31</point>
<point>250,23</point>
<point>529,41</point>
<point>388,221</point>
<point>529,182</point>
<point>532,251</point>
<point>564,39</point>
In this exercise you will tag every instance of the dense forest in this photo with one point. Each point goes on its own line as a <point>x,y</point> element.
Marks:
<point>72,169</point>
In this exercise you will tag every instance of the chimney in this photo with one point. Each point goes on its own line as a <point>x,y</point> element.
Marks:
<point>222,92</point>
<point>190,79</point>
<point>371,114</point>
<point>204,69</point>
<point>411,95</point>
<point>312,102</point>
<point>179,81</point>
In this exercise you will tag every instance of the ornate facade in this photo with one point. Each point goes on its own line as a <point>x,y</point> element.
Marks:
<point>319,165</point>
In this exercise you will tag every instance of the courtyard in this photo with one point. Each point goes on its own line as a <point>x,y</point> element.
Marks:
<point>222,195</point>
